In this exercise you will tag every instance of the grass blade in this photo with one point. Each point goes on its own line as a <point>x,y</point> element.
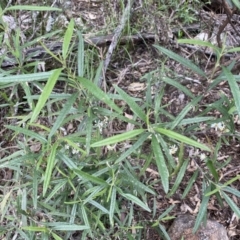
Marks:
<point>236,3</point>
<point>99,206</point>
<point>190,183</point>
<point>112,205</point>
<point>49,169</point>
<point>98,93</point>
<point>134,147</point>
<point>202,210</point>
<point>187,63</point>
<point>179,178</point>
<point>118,138</point>
<point>89,130</point>
<point>164,232</point>
<point>90,177</point>
<point>134,107</point>
<point>161,165</point>
<point>45,94</point>
<point>232,191</point>
<point>182,138</point>
<point>80,58</point>
<point>200,43</point>
<point>184,112</point>
<point>68,227</point>
<point>67,39</point>
<point>26,77</point>
<point>212,169</point>
<point>232,205</point>
<point>55,236</point>
<point>177,85</point>
<point>62,115</point>
<point>136,201</point>
<point>35,229</point>
<point>32,8</point>
<point>27,132</point>
<point>234,88</point>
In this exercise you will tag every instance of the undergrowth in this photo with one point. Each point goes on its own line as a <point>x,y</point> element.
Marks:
<point>72,177</point>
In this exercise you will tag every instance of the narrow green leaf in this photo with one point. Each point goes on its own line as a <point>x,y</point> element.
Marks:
<point>236,3</point>
<point>190,184</point>
<point>178,86</point>
<point>166,212</point>
<point>89,129</point>
<point>133,105</point>
<point>62,115</point>
<point>232,191</point>
<point>112,205</point>
<point>26,77</point>
<point>35,188</point>
<point>27,132</point>
<point>165,148</point>
<point>90,177</point>
<point>136,201</point>
<point>80,59</point>
<point>57,188</point>
<point>85,216</point>
<point>73,227</point>
<point>118,138</point>
<point>28,94</point>
<point>68,161</point>
<point>161,165</point>
<point>224,185</point>
<point>4,201</point>
<point>234,88</point>
<point>35,229</point>
<point>49,169</point>
<point>55,236</point>
<point>128,177</point>
<point>32,8</point>
<point>182,138</point>
<point>202,210</point>
<point>179,178</point>
<point>236,49</point>
<point>195,120</point>
<point>67,39</point>
<point>99,206</point>
<point>133,148</point>
<point>200,43</point>
<point>232,205</point>
<point>187,63</point>
<point>98,75</point>
<point>213,170</point>
<point>184,112</point>
<point>45,94</point>
<point>164,232</point>
<point>98,93</point>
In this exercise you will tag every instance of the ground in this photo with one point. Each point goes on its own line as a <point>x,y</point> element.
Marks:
<point>144,72</point>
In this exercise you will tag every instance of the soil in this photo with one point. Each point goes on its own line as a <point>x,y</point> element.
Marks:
<point>129,66</point>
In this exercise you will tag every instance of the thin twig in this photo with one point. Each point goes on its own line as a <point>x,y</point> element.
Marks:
<point>115,39</point>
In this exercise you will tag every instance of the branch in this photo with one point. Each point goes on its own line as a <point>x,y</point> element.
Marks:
<point>115,39</point>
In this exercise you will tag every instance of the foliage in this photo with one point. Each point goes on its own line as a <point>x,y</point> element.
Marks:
<point>86,184</point>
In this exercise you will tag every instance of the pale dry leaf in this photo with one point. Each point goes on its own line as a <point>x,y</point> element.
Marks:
<point>152,172</point>
<point>129,126</point>
<point>35,147</point>
<point>185,208</point>
<point>92,16</point>
<point>173,202</point>
<point>136,87</point>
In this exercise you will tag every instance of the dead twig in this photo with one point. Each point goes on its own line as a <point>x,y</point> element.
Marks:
<point>115,39</point>
<point>229,14</point>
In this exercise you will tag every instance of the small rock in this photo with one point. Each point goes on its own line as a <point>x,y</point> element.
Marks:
<point>183,225</point>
